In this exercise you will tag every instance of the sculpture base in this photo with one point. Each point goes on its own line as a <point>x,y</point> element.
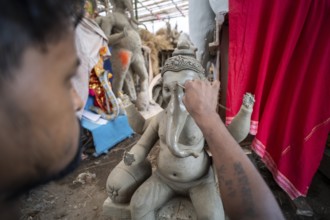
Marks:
<point>177,208</point>
<point>116,211</point>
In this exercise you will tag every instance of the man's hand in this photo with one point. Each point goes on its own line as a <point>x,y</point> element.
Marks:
<point>201,98</point>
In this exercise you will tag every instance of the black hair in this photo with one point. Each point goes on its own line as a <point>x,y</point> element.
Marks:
<point>36,23</point>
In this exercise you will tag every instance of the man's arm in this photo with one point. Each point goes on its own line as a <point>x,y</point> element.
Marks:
<point>244,193</point>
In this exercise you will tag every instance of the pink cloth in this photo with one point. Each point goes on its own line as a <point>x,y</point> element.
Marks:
<point>280,51</point>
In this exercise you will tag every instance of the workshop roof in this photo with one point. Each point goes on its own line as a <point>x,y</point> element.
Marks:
<point>152,10</point>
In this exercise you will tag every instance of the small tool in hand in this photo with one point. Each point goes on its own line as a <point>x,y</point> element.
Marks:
<point>182,86</point>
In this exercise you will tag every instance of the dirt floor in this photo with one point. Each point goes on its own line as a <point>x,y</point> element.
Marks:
<point>73,198</point>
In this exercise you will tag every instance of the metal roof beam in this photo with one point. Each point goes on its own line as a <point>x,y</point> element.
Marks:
<point>146,8</point>
<point>177,8</point>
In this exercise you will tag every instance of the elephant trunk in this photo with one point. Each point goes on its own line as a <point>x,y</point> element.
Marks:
<point>176,118</point>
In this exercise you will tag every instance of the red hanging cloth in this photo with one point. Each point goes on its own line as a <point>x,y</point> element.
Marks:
<point>280,51</point>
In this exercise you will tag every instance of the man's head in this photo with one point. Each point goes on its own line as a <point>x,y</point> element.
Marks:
<point>39,131</point>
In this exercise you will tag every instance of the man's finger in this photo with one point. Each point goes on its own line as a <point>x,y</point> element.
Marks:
<point>188,82</point>
<point>215,82</point>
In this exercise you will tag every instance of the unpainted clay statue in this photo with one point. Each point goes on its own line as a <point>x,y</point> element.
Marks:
<point>124,5</point>
<point>171,35</point>
<point>126,54</point>
<point>183,165</point>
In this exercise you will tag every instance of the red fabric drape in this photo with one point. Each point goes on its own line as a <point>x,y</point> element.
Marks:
<point>280,51</point>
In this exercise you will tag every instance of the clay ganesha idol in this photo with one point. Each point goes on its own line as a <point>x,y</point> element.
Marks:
<point>183,166</point>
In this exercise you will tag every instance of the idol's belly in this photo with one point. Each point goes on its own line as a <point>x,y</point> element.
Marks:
<point>182,169</point>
